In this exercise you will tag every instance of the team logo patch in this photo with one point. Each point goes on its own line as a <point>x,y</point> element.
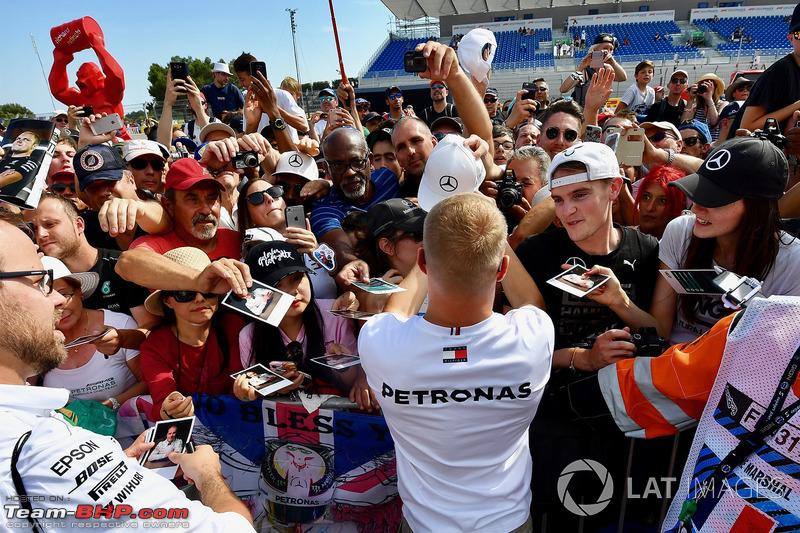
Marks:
<point>448,183</point>
<point>719,160</point>
<point>106,288</point>
<point>295,161</point>
<point>91,160</point>
<point>454,354</point>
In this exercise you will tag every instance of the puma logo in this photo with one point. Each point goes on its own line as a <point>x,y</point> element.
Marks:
<point>626,262</point>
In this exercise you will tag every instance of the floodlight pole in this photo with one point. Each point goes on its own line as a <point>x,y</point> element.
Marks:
<point>294,45</point>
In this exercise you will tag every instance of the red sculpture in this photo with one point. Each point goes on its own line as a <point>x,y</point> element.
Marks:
<point>100,89</point>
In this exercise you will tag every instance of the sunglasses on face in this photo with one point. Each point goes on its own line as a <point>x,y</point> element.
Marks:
<point>489,100</point>
<point>691,141</point>
<point>141,164</point>
<point>569,135</point>
<point>295,188</point>
<point>678,81</point>
<point>541,89</point>
<point>61,188</point>
<point>327,98</point>
<point>659,136</point>
<point>257,198</point>
<point>63,120</point>
<point>437,86</point>
<point>184,297</point>
<point>395,96</point>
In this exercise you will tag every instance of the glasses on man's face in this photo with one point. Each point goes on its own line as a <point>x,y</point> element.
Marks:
<point>257,198</point>
<point>45,283</point>
<point>338,167</point>
<point>62,120</point>
<point>691,141</point>
<point>507,145</point>
<point>327,98</point>
<point>659,136</point>
<point>291,187</point>
<point>363,107</point>
<point>395,96</point>
<point>184,297</point>
<point>61,188</point>
<point>141,164</point>
<point>678,81</point>
<point>541,89</point>
<point>553,133</point>
<point>489,100</point>
<point>437,86</point>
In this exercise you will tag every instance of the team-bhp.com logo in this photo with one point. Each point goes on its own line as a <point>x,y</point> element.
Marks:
<point>585,509</point>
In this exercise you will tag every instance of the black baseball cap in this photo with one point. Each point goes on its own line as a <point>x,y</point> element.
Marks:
<point>372,115</point>
<point>272,261</point>
<point>743,167</point>
<point>453,122</point>
<point>606,38</point>
<point>394,214</point>
<point>393,89</point>
<point>380,134</point>
<point>729,111</point>
<point>327,91</point>
<point>97,162</point>
<point>491,91</point>
<point>794,25</point>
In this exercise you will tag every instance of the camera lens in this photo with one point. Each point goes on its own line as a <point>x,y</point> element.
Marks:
<point>507,198</point>
<point>250,160</point>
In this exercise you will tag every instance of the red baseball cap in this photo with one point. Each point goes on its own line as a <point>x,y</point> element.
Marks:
<point>185,173</point>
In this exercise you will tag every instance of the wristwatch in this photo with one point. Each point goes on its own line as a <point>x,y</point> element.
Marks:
<point>670,156</point>
<point>114,403</point>
<point>279,124</point>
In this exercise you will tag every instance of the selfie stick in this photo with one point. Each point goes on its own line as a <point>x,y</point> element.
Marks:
<point>336,37</point>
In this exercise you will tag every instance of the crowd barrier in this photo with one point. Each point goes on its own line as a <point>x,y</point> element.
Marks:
<point>306,465</point>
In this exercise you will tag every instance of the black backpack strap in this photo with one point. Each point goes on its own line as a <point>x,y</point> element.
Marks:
<point>190,129</point>
<point>24,501</point>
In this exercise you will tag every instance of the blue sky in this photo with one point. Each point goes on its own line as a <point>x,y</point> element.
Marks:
<point>146,31</point>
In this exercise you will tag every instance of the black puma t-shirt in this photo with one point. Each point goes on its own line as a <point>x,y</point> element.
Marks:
<point>635,263</point>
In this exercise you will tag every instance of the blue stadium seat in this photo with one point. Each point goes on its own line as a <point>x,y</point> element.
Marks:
<point>767,33</point>
<point>642,40</point>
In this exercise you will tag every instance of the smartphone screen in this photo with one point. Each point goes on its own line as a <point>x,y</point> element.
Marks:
<point>258,66</point>
<point>597,60</point>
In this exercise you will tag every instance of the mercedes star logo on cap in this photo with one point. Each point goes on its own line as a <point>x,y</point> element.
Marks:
<point>718,160</point>
<point>448,183</point>
<point>295,161</point>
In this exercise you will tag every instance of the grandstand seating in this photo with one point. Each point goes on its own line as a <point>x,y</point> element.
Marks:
<point>642,40</point>
<point>390,60</point>
<point>520,51</point>
<point>768,33</point>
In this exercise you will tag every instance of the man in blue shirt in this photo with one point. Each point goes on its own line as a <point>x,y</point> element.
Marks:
<point>221,95</point>
<point>347,159</point>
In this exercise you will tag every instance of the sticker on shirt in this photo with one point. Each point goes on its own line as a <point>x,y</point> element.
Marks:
<point>262,302</point>
<point>378,286</point>
<point>576,282</point>
<point>356,315</point>
<point>325,256</point>
<point>169,436</point>
<point>86,339</point>
<point>263,380</point>
<point>454,354</point>
<point>337,362</point>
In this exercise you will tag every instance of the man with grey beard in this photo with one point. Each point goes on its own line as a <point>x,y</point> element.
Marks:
<point>354,189</point>
<point>192,199</point>
<point>43,453</point>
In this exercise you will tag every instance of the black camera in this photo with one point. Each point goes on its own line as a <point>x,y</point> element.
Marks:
<point>248,159</point>
<point>648,343</point>
<point>702,89</point>
<point>772,132</point>
<point>509,192</point>
<point>86,111</point>
<point>414,61</point>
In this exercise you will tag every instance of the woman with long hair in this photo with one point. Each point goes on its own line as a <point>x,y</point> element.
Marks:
<point>734,225</point>
<point>193,350</point>
<point>103,370</point>
<point>657,203</point>
<point>261,205</point>
<point>705,102</point>
<point>307,330</point>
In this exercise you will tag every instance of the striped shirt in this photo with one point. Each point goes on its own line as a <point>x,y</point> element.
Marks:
<point>327,213</point>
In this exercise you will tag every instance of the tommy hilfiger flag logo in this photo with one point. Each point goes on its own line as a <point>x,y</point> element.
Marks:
<point>454,354</point>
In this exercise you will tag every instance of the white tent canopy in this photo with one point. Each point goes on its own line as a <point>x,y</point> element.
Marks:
<point>414,9</point>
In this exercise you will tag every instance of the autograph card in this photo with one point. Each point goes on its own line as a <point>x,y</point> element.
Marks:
<point>263,380</point>
<point>576,282</point>
<point>337,362</point>
<point>378,286</point>
<point>262,302</point>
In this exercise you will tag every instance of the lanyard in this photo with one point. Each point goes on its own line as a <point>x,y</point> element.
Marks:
<point>773,419</point>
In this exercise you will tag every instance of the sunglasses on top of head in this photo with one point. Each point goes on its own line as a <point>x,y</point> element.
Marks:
<point>257,198</point>
<point>569,135</point>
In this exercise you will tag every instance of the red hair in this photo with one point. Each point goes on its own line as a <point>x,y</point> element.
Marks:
<point>662,176</point>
